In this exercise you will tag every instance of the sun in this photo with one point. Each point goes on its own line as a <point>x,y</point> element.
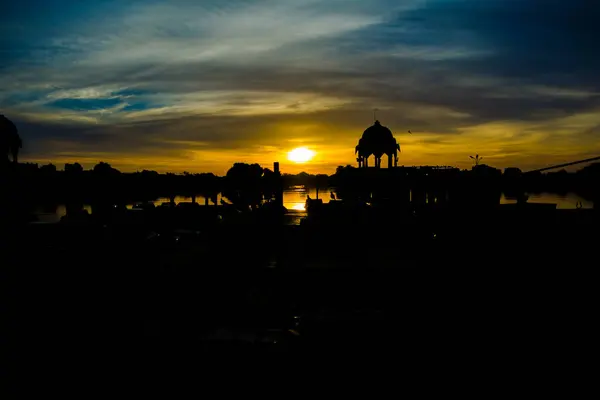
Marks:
<point>301,155</point>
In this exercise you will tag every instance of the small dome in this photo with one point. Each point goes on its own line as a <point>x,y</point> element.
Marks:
<point>377,132</point>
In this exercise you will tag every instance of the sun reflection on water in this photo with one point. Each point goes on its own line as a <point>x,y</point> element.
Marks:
<point>296,207</point>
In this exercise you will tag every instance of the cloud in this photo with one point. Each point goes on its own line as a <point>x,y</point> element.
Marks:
<point>84,104</point>
<point>180,82</point>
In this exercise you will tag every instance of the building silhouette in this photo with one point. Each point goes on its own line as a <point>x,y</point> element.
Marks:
<point>377,140</point>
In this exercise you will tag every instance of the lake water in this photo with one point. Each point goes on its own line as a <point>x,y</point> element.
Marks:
<point>295,198</point>
<point>563,202</point>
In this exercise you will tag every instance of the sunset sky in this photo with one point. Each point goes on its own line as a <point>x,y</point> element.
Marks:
<point>197,85</point>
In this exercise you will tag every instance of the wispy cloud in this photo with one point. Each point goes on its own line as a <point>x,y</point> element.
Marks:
<point>182,82</point>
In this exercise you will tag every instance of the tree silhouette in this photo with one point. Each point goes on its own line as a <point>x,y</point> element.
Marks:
<point>10,141</point>
<point>243,184</point>
<point>103,168</point>
<point>48,169</point>
<point>74,168</point>
<point>209,185</point>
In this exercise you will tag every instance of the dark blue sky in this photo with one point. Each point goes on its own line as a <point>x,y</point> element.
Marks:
<point>197,85</point>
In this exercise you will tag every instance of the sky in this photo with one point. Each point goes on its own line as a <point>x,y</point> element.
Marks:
<point>195,86</point>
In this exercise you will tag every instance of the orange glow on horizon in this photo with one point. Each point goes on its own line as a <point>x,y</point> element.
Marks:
<point>318,148</point>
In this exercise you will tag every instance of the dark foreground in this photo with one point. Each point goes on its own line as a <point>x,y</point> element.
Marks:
<point>476,287</point>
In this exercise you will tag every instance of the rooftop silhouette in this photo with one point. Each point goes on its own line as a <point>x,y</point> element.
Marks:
<point>355,270</point>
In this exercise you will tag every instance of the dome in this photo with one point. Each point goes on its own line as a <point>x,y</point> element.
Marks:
<point>377,140</point>
<point>377,132</point>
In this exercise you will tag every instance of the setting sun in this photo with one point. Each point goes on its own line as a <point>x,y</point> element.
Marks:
<point>301,155</point>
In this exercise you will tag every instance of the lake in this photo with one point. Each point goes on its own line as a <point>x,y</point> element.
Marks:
<point>295,198</point>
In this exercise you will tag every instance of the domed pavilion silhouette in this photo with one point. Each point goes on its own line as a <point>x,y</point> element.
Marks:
<point>377,140</point>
